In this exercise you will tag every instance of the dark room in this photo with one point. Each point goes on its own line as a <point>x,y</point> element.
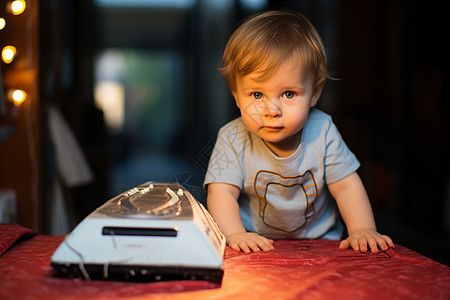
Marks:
<point>98,97</point>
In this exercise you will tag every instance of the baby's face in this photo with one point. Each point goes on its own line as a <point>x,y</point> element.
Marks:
<point>276,109</point>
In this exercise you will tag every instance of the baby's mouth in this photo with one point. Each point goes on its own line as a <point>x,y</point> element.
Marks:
<point>272,128</point>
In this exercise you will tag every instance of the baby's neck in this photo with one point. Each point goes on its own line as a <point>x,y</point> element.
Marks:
<point>286,147</point>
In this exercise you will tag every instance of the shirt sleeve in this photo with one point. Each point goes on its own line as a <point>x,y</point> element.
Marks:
<point>339,161</point>
<point>224,165</point>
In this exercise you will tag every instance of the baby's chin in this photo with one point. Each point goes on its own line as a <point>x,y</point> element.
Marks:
<point>283,140</point>
<point>279,136</point>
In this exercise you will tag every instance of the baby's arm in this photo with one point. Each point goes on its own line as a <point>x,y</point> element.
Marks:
<point>355,209</point>
<point>224,208</point>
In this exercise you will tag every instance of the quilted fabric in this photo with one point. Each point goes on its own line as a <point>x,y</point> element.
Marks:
<point>295,269</point>
<point>10,233</point>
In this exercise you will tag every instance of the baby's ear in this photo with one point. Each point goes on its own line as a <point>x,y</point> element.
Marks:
<point>318,87</point>
<point>236,99</point>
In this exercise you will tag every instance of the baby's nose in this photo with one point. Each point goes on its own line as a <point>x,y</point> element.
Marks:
<point>272,109</point>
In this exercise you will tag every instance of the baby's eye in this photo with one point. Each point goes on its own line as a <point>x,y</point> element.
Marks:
<point>289,94</point>
<point>257,95</point>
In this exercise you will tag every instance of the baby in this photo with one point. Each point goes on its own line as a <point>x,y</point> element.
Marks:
<point>281,170</point>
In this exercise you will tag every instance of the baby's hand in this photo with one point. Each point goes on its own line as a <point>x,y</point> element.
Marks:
<point>249,241</point>
<point>359,240</point>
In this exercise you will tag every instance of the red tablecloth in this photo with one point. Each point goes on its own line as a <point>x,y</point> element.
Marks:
<point>301,269</point>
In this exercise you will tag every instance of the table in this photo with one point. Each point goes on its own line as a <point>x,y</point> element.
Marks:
<point>295,269</point>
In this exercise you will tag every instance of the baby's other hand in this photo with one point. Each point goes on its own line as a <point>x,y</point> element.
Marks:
<point>248,242</point>
<point>358,240</point>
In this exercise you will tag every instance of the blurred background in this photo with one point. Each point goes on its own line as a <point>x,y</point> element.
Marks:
<point>99,96</point>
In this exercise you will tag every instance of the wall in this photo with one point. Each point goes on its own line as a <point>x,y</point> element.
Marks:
<point>20,151</point>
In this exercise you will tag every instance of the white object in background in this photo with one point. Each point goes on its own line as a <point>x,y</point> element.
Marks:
<point>72,165</point>
<point>8,206</point>
<point>60,219</point>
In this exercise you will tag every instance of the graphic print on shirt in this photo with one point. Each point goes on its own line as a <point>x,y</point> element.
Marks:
<point>286,202</point>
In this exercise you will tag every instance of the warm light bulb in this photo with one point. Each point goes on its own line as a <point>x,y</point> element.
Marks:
<point>18,96</point>
<point>8,53</point>
<point>18,6</point>
<point>2,23</point>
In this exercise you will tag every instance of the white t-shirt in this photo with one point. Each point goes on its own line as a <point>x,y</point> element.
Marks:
<point>284,198</point>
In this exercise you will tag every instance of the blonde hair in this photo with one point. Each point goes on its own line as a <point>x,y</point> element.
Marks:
<point>266,40</point>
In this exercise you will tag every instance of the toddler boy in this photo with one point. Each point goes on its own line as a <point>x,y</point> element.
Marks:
<point>278,171</point>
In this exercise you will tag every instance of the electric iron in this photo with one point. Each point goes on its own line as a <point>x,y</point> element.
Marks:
<point>153,232</point>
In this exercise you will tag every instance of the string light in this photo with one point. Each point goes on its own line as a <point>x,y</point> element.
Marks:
<point>18,7</point>
<point>8,54</point>
<point>17,96</point>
